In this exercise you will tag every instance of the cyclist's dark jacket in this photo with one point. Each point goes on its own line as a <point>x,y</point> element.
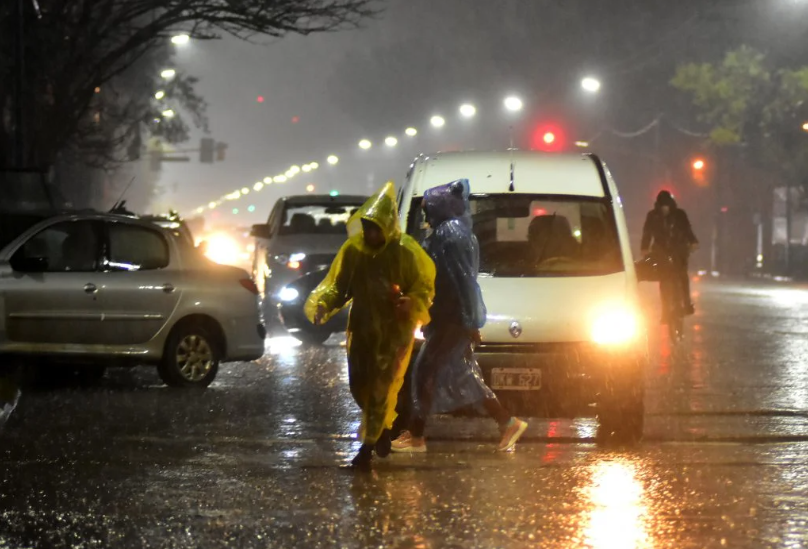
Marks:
<point>671,234</point>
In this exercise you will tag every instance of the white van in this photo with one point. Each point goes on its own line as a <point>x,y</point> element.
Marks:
<point>564,335</point>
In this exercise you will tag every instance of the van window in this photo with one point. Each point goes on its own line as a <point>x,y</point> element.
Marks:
<point>524,235</point>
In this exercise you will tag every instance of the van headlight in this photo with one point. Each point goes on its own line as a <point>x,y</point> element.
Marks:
<point>615,326</point>
<point>288,294</point>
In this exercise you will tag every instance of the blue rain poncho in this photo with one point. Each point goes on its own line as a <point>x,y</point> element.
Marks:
<point>446,369</point>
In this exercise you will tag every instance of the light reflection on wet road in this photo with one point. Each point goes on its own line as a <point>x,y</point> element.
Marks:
<point>255,460</point>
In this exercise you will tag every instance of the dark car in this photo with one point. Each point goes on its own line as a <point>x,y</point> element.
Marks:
<point>303,234</point>
<point>290,310</point>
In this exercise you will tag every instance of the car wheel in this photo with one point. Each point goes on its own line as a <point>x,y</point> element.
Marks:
<point>621,411</point>
<point>191,357</point>
<point>312,336</point>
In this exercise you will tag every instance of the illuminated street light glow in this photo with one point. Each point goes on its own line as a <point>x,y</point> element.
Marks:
<point>437,121</point>
<point>365,144</point>
<point>289,174</point>
<point>200,210</point>
<point>513,103</point>
<point>180,39</point>
<point>590,84</point>
<point>245,190</point>
<point>314,165</point>
<point>251,208</point>
<point>698,164</point>
<point>805,127</point>
<point>549,138</point>
<point>411,132</point>
<point>168,74</point>
<point>168,113</point>
<point>280,179</point>
<point>267,180</point>
<point>468,110</point>
<point>333,160</point>
<point>159,95</point>
<point>391,141</point>
<point>310,188</point>
<point>306,168</point>
<point>295,169</point>
<point>211,205</point>
<point>258,186</point>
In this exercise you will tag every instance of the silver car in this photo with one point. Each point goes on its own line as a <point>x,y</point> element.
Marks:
<point>111,289</point>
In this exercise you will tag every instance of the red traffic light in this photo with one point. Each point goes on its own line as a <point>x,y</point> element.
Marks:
<point>548,138</point>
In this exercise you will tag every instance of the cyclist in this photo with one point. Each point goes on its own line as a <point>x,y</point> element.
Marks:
<point>668,235</point>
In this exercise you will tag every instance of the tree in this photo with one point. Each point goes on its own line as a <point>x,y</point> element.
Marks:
<point>746,101</point>
<point>79,81</point>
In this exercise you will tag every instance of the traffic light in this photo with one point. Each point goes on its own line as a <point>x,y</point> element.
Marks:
<point>206,145</point>
<point>548,138</point>
<point>220,150</point>
<point>698,171</point>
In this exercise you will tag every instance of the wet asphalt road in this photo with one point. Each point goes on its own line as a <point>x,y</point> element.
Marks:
<point>256,460</point>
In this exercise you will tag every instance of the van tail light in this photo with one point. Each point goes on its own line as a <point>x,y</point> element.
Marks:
<point>249,285</point>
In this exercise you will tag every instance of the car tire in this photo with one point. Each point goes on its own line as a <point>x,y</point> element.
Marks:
<point>621,411</point>
<point>312,336</point>
<point>191,358</point>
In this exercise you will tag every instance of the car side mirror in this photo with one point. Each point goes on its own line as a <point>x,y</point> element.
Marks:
<point>261,231</point>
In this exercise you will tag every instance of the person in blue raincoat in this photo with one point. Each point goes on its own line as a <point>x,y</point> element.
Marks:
<point>446,376</point>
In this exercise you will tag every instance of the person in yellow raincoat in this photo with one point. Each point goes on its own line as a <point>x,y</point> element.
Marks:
<point>390,281</point>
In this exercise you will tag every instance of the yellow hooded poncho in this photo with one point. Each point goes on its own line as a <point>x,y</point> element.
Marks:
<point>379,343</point>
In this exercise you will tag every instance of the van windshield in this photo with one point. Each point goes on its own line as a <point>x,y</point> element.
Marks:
<point>524,235</point>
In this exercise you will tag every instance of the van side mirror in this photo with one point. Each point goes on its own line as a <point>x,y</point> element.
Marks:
<point>261,231</point>
<point>5,269</point>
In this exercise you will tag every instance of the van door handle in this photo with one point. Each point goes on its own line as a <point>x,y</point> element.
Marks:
<point>168,288</point>
<point>90,288</point>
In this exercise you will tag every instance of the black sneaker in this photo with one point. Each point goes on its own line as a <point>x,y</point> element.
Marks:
<point>383,445</point>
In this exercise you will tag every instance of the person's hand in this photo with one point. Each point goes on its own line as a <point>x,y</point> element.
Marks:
<point>403,307</point>
<point>476,338</point>
<point>319,315</point>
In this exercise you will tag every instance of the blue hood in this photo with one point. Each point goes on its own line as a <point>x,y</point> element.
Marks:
<point>447,202</point>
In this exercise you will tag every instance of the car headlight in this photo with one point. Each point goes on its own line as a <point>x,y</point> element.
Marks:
<point>615,326</point>
<point>288,294</point>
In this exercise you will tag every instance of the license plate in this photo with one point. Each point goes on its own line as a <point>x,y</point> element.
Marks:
<point>516,379</point>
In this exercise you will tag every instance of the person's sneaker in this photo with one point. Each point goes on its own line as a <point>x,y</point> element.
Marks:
<point>512,433</point>
<point>408,444</point>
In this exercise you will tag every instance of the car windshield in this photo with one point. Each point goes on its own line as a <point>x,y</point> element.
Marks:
<point>537,235</point>
<point>316,218</point>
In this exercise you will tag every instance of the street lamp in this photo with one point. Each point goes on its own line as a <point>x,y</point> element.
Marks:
<point>590,84</point>
<point>159,95</point>
<point>411,132</point>
<point>333,160</point>
<point>391,141</point>
<point>280,179</point>
<point>437,121</point>
<point>365,144</point>
<point>805,127</point>
<point>513,103</point>
<point>314,166</point>
<point>468,110</point>
<point>267,180</point>
<point>168,74</point>
<point>306,168</point>
<point>244,191</point>
<point>168,113</point>
<point>180,39</point>
<point>698,164</point>
<point>258,186</point>
<point>310,188</point>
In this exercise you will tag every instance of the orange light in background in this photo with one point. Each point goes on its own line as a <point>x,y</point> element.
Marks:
<point>805,127</point>
<point>293,264</point>
<point>698,164</point>
<point>310,188</point>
